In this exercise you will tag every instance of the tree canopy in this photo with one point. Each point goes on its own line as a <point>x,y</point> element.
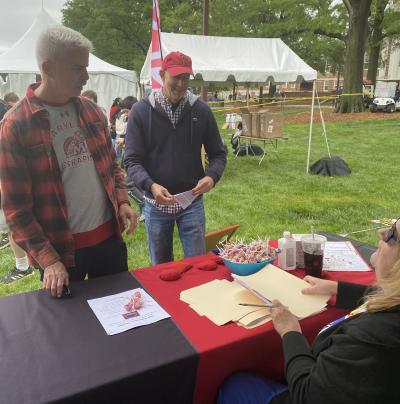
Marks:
<point>322,32</point>
<point>120,29</point>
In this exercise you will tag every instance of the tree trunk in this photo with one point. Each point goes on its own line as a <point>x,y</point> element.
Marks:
<point>355,46</point>
<point>260,95</point>
<point>376,40</point>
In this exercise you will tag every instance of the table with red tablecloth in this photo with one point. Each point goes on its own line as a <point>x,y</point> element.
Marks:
<point>229,348</point>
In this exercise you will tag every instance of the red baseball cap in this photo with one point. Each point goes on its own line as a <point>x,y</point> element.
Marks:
<point>177,63</point>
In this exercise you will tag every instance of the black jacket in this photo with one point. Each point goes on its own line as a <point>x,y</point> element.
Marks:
<point>156,151</point>
<point>355,362</point>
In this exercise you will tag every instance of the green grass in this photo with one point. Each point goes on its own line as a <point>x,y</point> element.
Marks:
<point>278,195</point>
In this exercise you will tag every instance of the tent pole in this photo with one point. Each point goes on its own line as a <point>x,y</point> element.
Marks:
<point>311,125</point>
<point>323,123</point>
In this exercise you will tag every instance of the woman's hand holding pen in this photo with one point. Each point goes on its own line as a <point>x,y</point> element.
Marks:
<point>284,321</point>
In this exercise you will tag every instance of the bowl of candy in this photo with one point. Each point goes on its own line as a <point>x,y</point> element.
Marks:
<point>246,259</point>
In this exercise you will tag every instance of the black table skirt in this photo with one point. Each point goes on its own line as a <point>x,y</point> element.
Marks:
<point>56,350</point>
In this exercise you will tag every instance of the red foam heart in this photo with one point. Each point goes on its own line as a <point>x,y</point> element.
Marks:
<point>217,259</point>
<point>171,274</point>
<point>207,265</point>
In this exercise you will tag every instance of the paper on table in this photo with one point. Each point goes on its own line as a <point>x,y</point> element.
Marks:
<point>274,283</point>
<point>185,198</point>
<point>219,301</point>
<point>255,317</point>
<point>342,256</point>
<point>114,318</point>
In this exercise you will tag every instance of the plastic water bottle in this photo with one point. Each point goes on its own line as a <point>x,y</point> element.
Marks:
<point>287,257</point>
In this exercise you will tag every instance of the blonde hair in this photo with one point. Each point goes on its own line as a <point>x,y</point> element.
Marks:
<point>388,295</point>
<point>54,41</point>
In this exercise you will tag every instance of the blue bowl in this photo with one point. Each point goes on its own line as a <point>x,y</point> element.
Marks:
<point>246,269</point>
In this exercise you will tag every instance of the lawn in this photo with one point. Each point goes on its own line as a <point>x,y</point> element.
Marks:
<point>278,195</point>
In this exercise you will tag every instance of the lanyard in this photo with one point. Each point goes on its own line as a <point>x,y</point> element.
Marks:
<point>359,310</point>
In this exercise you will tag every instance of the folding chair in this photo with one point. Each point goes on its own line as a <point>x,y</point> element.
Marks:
<point>218,237</point>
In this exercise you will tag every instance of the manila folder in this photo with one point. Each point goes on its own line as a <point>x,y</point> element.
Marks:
<point>274,283</point>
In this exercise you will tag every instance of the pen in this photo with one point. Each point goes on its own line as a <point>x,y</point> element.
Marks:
<point>255,305</point>
<point>269,306</point>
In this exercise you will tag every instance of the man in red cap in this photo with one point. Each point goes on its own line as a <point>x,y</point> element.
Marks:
<point>165,134</point>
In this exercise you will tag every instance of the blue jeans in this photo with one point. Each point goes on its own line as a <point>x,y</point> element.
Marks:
<point>191,224</point>
<point>248,388</point>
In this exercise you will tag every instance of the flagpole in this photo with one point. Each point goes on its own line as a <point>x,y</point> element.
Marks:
<point>159,25</point>
<point>156,53</point>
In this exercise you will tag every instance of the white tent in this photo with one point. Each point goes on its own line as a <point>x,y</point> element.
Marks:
<point>242,60</point>
<point>18,68</point>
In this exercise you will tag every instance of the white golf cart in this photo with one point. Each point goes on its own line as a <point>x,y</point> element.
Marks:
<point>387,97</point>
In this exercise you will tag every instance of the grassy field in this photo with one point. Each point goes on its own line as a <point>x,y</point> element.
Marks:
<point>276,196</point>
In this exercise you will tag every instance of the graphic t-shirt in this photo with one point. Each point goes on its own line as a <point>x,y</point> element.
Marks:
<point>88,205</point>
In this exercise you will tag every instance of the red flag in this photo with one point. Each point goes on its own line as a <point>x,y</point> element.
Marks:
<point>156,55</point>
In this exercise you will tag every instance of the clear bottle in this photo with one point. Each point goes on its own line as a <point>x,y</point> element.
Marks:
<point>287,257</point>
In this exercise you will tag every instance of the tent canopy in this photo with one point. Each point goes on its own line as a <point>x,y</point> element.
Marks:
<point>20,60</point>
<point>242,60</point>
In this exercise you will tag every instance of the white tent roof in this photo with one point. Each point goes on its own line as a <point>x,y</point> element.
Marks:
<point>244,60</point>
<point>21,58</point>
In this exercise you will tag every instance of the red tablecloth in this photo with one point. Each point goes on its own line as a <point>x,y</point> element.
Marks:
<point>224,350</point>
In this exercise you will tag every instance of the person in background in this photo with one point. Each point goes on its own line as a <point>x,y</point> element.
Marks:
<point>163,144</point>
<point>114,110</point>
<point>11,99</point>
<point>92,95</point>
<point>4,239</point>
<point>353,359</point>
<point>63,193</point>
<point>22,267</point>
<point>121,124</point>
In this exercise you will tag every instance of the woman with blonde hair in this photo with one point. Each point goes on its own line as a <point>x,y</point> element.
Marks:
<point>354,359</point>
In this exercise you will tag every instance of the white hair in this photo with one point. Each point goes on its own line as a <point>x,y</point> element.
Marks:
<point>56,40</point>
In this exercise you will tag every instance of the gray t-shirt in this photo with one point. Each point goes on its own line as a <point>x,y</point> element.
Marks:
<point>88,205</point>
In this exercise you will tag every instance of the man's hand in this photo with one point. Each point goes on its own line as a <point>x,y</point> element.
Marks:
<point>284,321</point>
<point>203,186</point>
<point>161,195</point>
<point>127,218</point>
<point>320,286</point>
<point>54,277</point>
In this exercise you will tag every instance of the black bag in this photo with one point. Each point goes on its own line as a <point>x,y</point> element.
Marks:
<point>330,166</point>
<point>250,150</point>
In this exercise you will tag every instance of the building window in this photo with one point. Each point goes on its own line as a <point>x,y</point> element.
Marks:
<point>293,85</point>
<point>325,87</point>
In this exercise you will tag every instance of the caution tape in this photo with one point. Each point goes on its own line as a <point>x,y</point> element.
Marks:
<point>275,101</point>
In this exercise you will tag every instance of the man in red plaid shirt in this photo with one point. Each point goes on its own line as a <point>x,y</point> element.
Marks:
<point>63,193</point>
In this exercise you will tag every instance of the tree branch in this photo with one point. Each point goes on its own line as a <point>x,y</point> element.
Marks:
<point>336,35</point>
<point>349,8</point>
<point>317,31</point>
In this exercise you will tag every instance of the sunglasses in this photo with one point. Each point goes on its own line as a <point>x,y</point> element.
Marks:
<point>392,233</point>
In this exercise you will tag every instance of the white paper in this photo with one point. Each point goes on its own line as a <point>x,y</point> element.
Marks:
<point>342,256</point>
<point>110,311</point>
<point>185,198</point>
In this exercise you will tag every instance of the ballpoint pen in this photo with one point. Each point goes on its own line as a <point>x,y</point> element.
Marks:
<point>255,305</point>
<point>269,306</point>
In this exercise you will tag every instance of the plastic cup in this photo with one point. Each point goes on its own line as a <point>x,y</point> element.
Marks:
<point>313,248</point>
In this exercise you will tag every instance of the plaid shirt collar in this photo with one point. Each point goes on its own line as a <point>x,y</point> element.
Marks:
<point>36,104</point>
<point>166,105</point>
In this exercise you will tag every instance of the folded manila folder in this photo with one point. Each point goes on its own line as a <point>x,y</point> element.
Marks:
<point>219,300</point>
<point>255,317</point>
<point>274,283</point>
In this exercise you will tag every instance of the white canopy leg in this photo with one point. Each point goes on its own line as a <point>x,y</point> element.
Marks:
<point>311,125</point>
<point>323,123</point>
